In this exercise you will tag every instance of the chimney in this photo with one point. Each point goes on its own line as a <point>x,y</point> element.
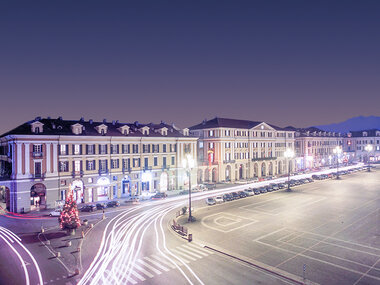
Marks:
<point>90,121</point>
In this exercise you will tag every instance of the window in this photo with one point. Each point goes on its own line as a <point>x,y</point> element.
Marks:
<point>126,148</point>
<point>210,145</point>
<point>156,148</point>
<point>77,167</point>
<point>103,165</point>
<point>155,163</point>
<point>63,166</point>
<point>173,160</point>
<point>126,163</point>
<point>164,161</point>
<point>114,148</point>
<point>136,162</point>
<point>135,148</point>
<point>146,162</point>
<point>103,149</point>
<point>114,163</point>
<point>90,149</point>
<point>37,148</point>
<point>146,148</point>
<point>210,133</point>
<point>164,148</point>
<point>200,144</point>
<point>63,149</point>
<point>90,165</point>
<point>77,148</point>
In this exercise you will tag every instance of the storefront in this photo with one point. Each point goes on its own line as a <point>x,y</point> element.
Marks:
<point>103,188</point>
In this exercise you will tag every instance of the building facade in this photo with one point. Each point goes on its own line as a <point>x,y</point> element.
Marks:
<point>41,158</point>
<point>315,148</point>
<point>231,150</point>
<point>355,143</point>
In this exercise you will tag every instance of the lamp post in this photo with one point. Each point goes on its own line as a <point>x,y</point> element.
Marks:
<point>368,148</point>
<point>188,164</point>
<point>337,150</point>
<point>289,153</point>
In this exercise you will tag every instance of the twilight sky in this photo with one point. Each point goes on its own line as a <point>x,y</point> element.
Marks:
<point>289,62</point>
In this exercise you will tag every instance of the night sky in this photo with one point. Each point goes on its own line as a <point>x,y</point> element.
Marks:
<point>295,63</point>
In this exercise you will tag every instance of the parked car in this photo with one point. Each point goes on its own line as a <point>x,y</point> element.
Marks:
<point>88,208</point>
<point>269,188</point>
<point>210,201</point>
<point>281,185</point>
<point>235,195</point>
<point>113,204</point>
<point>227,197</point>
<point>316,177</point>
<point>263,190</point>
<point>256,191</point>
<point>161,195</point>
<point>101,206</point>
<point>219,199</point>
<point>55,213</point>
<point>249,192</point>
<point>275,187</point>
<point>242,194</point>
<point>310,179</point>
<point>184,192</point>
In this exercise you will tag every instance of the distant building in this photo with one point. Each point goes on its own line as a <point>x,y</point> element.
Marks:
<point>233,150</point>
<point>315,148</point>
<point>355,143</point>
<point>102,160</point>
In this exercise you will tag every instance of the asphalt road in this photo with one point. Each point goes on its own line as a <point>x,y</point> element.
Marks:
<point>327,231</point>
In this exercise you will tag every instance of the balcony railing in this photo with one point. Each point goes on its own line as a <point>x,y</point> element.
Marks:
<point>77,173</point>
<point>165,167</point>
<point>147,168</point>
<point>229,161</point>
<point>38,176</point>
<point>127,169</point>
<point>264,158</point>
<point>37,154</point>
<point>103,171</point>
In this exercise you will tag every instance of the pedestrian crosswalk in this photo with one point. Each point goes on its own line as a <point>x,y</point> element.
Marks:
<point>148,267</point>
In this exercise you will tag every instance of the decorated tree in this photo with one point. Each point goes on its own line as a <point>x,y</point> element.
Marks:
<point>69,218</point>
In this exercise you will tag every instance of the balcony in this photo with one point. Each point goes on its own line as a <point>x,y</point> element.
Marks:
<point>264,158</point>
<point>38,176</point>
<point>229,161</point>
<point>147,168</point>
<point>103,171</point>
<point>77,173</point>
<point>127,169</point>
<point>165,167</point>
<point>37,154</point>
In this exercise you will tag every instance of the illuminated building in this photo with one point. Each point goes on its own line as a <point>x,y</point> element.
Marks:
<point>102,160</point>
<point>355,143</point>
<point>232,150</point>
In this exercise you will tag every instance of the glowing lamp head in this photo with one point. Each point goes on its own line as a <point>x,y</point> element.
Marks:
<point>337,150</point>
<point>146,176</point>
<point>188,162</point>
<point>289,153</point>
<point>368,148</point>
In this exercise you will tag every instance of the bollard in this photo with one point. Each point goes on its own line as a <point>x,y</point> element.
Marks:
<point>42,229</point>
<point>91,226</point>
<point>76,271</point>
<point>68,243</point>
<point>82,234</point>
<point>58,254</point>
<point>190,237</point>
<point>104,215</point>
<point>48,242</point>
<point>78,249</point>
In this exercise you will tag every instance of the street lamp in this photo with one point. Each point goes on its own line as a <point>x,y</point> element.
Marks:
<point>188,164</point>
<point>289,153</point>
<point>337,150</point>
<point>368,148</point>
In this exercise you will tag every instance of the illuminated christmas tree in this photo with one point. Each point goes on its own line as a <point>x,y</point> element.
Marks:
<point>69,218</point>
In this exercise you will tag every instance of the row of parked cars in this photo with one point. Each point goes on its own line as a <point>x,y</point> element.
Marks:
<point>254,191</point>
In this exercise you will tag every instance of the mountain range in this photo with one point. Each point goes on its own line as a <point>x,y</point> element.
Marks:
<point>353,124</point>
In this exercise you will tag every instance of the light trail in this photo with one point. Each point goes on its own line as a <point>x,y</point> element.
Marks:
<point>13,241</point>
<point>124,235</point>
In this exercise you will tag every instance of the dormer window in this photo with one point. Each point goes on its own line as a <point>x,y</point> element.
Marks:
<point>77,129</point>
<point>145,130</point>
<point>365,134</point>
<point>124,130</point>
<point>101,129</point>
<point>378,133</point>
<point>164,131</point>
<point>186,132</point>
<point>37,127</point>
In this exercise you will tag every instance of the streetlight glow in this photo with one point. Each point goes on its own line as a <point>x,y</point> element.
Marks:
<point>289,153</point>
<point>337,150</point>
<point>368,148</point>
<point>188,164</point>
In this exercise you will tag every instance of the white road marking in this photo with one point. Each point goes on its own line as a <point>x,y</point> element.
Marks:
<point>149,266</point>
<point>156,263</point>
<point>183,254</point>
<point>195,250</point>
<point>268,234</point>
<point>142,270</point>
<point>189,252</point>
<point>137,275</point>
<point>163,260</point>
